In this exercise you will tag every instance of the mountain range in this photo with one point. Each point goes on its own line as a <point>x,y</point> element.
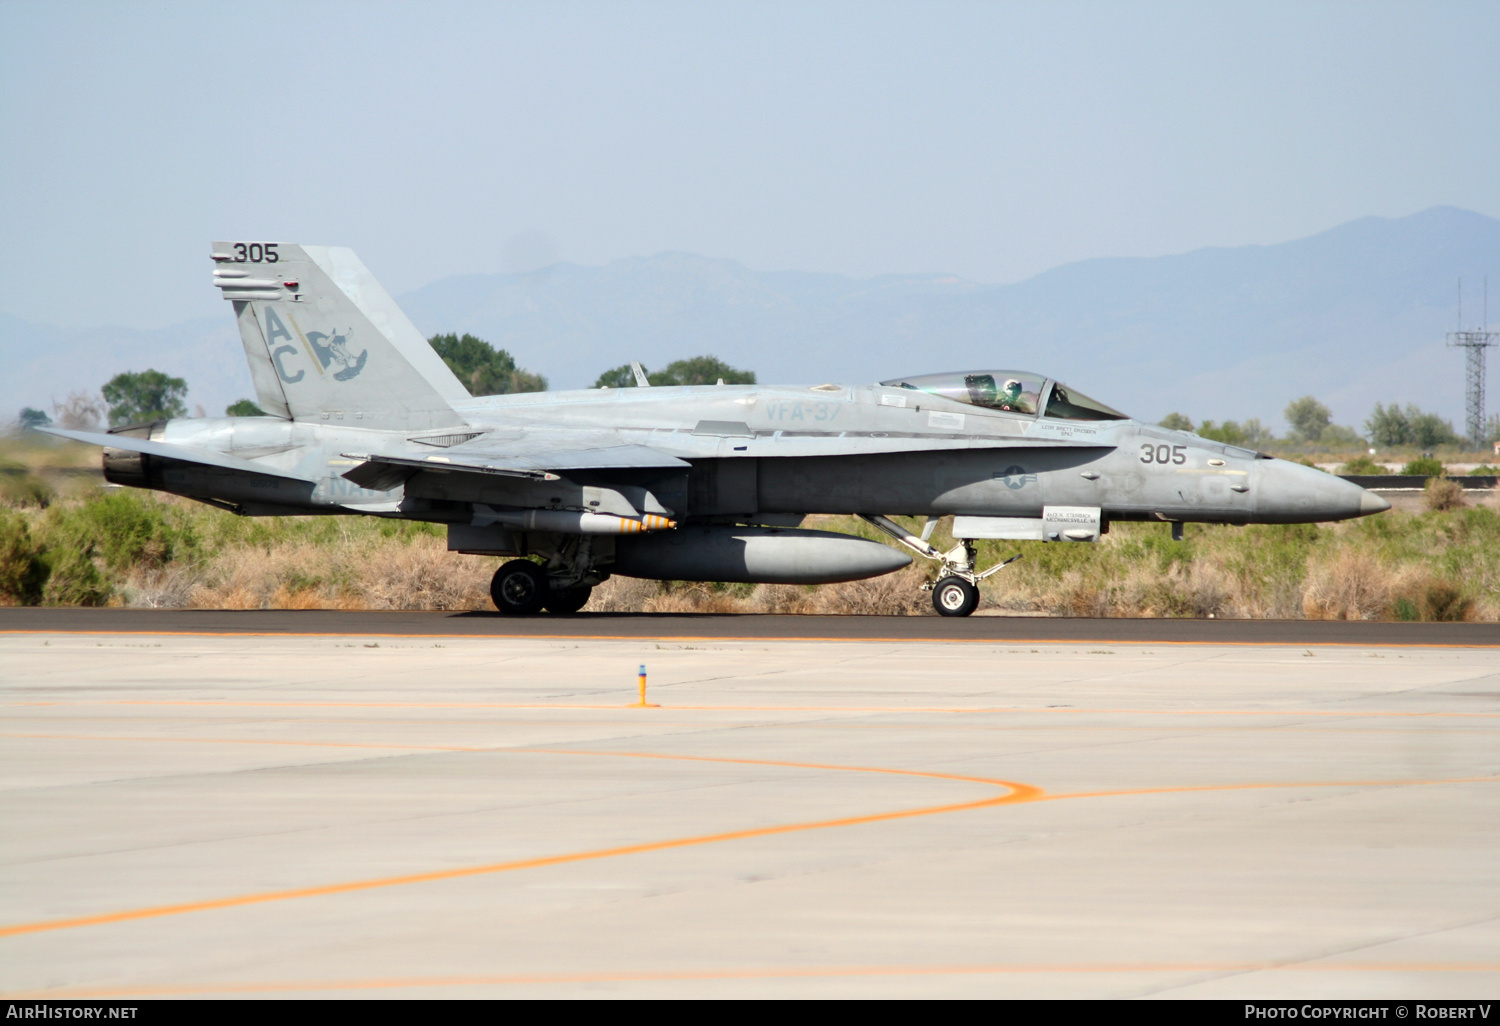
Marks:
<point>1354,316</point>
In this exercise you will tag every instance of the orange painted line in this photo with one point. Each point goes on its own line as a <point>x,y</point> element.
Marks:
<point>753,640</point>
<point>1031,793</point>
<point>1039,795</point>
<point>762,973</point>
<point>1014,793</point>
<point>594,707</point>
<point>528,751</point>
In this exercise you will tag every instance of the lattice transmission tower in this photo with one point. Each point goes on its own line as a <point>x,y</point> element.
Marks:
<point>1474,344</point>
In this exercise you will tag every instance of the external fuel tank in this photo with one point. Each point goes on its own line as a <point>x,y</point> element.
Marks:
<point>753,555</point>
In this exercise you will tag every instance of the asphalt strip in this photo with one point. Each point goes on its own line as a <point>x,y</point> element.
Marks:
<point>726,627</point>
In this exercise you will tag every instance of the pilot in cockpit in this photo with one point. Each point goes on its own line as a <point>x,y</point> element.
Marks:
<point>982,392</point>
<point>1010,397</point>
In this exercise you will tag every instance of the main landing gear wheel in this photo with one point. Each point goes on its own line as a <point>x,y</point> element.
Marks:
<point>954,596</point>
<point>568,600</point>
<point>519,588</point>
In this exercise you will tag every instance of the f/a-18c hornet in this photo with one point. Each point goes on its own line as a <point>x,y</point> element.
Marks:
<point>696,483</point>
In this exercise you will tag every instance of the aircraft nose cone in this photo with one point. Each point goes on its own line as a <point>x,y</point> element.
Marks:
<point>1294,494</point>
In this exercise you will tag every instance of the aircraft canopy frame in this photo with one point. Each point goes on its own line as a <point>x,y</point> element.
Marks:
<point>1011,391</point>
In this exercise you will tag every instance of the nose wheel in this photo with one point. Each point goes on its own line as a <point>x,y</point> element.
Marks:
<point>956,592</point>
<point>954,596</point>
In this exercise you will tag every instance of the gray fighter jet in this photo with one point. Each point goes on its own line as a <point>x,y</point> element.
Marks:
<point>700,483</point>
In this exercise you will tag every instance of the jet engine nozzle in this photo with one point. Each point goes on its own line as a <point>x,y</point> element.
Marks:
<point>124,467</point>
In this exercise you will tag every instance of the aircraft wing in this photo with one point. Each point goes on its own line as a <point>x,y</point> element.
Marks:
<point>171,451</point>
<point>524,458</point>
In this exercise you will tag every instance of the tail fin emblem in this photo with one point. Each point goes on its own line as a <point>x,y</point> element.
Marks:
<point>336,351</point>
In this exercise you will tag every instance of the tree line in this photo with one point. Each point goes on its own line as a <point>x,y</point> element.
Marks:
<point>141,396</point>
<point>485,370</point>
<point>1311,423</point>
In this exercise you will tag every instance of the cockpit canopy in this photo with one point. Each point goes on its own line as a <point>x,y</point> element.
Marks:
<point>1011,392</point>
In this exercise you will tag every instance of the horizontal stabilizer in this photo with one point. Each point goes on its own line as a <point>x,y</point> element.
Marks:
<point>167,450</point>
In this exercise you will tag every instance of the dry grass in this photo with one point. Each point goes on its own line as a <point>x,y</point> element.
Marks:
<point>418,574</point>
<point>130,548</point>
<point>1349,585</point>
<point>897,594</point>
<point>1443,494</point>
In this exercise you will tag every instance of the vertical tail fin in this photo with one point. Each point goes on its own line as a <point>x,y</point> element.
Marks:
<point>325,342</point>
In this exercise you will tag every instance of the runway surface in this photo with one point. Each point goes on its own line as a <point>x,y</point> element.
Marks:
<point>741,626</point>
<point>252,814</point>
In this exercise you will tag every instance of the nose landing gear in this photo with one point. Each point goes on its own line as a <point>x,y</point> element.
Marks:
<point>956,592</point>
<point>954,596</point>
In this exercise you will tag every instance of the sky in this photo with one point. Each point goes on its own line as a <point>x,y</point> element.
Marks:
<point>988,140</point>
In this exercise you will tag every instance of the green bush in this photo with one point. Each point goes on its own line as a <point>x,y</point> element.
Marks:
<point>25,490</point>
<point>108,534</point>
<point>1439,601</point>
<point>73,579</point>
<point>1361,465</point>
<point>125,529</point>
<point>1425,466</point>
<point>1445,601</point>
<point>1443,494</point>
<point>23,573</point>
